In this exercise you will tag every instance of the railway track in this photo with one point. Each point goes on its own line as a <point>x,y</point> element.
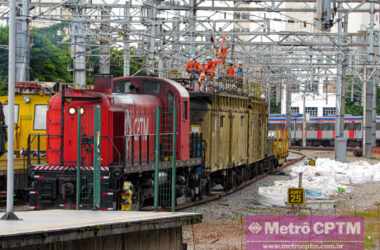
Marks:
<point>320,148</point>
<point>229,192</point>
<point>240,187</point>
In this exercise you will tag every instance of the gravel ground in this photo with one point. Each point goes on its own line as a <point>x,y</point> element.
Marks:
<point>222,226</point>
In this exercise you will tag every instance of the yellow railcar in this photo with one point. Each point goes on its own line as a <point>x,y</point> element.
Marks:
<point>31,103</point>
<point>234,131</point>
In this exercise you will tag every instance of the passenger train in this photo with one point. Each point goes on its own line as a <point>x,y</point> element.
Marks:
<point>320,131</point>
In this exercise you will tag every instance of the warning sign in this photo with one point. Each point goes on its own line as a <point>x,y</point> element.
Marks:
<point>296,196</point>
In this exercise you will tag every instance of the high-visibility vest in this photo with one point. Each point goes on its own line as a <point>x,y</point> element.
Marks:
<point>231,71</point>
<point>197,67</point>
<point>210,68</point>
<point>190,66</point>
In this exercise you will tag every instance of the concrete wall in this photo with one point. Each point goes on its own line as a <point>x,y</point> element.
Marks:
<point>162,239</point>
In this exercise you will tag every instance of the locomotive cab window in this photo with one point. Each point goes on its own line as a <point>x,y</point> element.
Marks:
<point>170,102</point>
<point>185,110</point>
<point>39,122</point>
<point>5,110</point>
<point>123,87</point>
<point>151,87</point>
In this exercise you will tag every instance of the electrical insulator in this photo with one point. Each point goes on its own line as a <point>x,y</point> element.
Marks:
<point>324,17</point>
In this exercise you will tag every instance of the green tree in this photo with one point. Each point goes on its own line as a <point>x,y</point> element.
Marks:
<point>50,58</point>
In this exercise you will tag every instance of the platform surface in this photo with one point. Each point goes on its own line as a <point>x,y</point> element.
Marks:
<point>46,221</point>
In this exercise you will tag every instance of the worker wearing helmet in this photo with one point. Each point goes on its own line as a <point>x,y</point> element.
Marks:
<point>193,67</point>
<point>197,67</point>
<point>210,68</point>
<point>231,70</point>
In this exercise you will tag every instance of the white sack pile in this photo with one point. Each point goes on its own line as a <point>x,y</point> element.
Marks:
<point>326,178</point>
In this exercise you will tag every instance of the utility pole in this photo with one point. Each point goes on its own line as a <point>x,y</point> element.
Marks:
<point>176,60</point>
<point>304,120</point>
<point>126,49</point>
<point>369,94</point>
<point>268,87</point>
<point>78,40</point>
<point>288,110</point>
<point>152,40</point>
<point>304,116</point>
<point>22,41</point>
<point>105,50</point>
<point>9,213</point>
<point>340,140</point>
<point>371,55</point>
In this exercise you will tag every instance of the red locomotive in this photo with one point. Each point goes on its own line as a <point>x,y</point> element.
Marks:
<point>128,108</point>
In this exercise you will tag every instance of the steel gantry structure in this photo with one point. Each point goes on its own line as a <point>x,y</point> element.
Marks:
<point>166,33</point>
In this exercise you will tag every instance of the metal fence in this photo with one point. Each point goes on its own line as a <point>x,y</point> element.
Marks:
<point>156,150</point>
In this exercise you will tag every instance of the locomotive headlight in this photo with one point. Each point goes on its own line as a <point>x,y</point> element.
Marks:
<point>26,99</point>
<point>81,110</point>
<point>71,111</point>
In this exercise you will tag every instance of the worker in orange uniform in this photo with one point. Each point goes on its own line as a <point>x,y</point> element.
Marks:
<point>202,77</point>
<point>197,67</point>
<point>210,69</point>
<point>191,66</point>
<point>231,70</point>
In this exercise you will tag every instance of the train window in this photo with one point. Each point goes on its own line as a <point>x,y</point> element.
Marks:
<point>221,121</point>
<point>312,111</point>
<point>348,126</point>
<point>5,110</point>
<point>242,120</point>
<point>185,110</point>
<point>295,110</point>
<point>122,87</point>
<point>329,111</point>
<point>40,117</point>
<point>151,87</point>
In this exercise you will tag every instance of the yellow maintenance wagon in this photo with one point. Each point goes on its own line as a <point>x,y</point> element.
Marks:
<point>31,104</point>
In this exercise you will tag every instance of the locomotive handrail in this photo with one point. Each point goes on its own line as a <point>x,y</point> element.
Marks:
<point>31,138</point>
<point>197,144</point>
<point>113,146</point>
